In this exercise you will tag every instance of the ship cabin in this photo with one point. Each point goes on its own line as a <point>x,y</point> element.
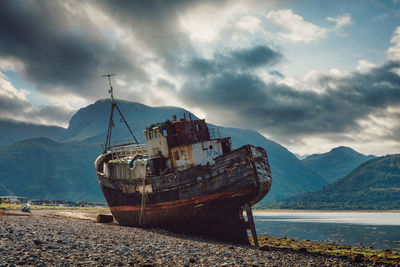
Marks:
<point>180,144</point>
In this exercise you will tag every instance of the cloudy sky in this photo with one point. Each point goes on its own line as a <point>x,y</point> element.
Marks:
<point>310,75</point>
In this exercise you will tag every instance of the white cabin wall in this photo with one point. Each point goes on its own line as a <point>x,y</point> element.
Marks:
<point>195,154</point>
<point>205,152</point>
<point>181,157</point>
<point>157,143</point>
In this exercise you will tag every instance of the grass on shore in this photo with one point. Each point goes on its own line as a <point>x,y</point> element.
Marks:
<point>357,254</point>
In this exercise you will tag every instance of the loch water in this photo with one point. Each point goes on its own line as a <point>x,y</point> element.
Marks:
<point>381,230</point>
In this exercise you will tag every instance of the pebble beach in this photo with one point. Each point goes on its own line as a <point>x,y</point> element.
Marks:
<point>51,239</point>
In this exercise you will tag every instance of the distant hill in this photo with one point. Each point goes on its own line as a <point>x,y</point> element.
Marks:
<point>13,131</point>
<point>373,185</point>
<point>62,166</point>
<point>336,163</point>
<point>45,169</point>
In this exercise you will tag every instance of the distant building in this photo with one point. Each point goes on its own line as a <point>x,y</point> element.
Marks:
<point>14,199</point>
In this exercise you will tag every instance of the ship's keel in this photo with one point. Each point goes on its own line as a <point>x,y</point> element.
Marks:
<point>228,227</point>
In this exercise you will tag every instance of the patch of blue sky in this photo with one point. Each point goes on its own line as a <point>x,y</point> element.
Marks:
<point>367,38</point>
<point>19,82</point>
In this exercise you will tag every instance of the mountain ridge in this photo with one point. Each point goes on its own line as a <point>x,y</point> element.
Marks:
<point>374,184</point>
<point>42,168</point>
<point>13,131</point>
<point>336,163</point>
<point>87,129</point>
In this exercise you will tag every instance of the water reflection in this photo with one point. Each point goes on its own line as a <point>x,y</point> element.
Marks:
<point>379,230</point>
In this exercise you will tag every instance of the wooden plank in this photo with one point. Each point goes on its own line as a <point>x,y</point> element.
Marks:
<point>250,220</point>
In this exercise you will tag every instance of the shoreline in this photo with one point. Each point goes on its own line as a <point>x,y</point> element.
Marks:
<point>17,207</point>
<point>341,211</point>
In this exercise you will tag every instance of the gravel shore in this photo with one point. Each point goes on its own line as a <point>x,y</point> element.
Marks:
<point>43,239</point>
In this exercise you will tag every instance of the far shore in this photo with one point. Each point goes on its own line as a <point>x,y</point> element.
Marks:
<point>5,206</point>
<point>299,211</point>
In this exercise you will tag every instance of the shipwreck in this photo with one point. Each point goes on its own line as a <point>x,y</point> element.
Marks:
<point>183,180</point>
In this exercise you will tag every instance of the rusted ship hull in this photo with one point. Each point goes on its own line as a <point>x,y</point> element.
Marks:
<point>205,200</point>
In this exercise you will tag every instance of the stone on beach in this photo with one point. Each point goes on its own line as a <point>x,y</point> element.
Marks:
<point>41,239</point>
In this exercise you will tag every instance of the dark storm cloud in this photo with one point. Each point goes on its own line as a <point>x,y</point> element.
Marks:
<point>20,109</point>
<point>257,56</point>
<point>277,74</point>
<point>57,49</point>
<point>241,60</point>
<point>164,83</point>
<point>285,111</point>
<point>53,113</point>
<point>156,24</point>
<point>10,106</point>
<point>15,105</point>
<point>64,51</point>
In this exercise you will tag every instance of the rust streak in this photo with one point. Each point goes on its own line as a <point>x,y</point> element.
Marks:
<point>181,202</point>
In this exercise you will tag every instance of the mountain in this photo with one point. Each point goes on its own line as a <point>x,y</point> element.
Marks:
<point>62,167</point>
<point>336,163</point>
<point>13,131</point>
<point>45,169</point>
<point>373,185</point>
<point>92,121</point>
<point>290,176</point>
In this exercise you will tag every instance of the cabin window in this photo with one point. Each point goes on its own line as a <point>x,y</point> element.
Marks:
<point>183,153</point>
<point>197,128</point>
<point>164,132</point>
<point>225,147</point>
<point>176,155</point>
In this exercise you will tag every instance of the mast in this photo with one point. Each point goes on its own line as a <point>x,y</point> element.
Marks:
<point>110,121</point>
<point>8,191</point>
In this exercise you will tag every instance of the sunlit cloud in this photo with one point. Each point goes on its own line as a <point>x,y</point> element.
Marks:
<point>341,20</point>
<point>297,29</point>
<point>249,23</point>
<point>15,105</point>
<point>365,66</point>
<point>393,52</point>
<point>226,61</point>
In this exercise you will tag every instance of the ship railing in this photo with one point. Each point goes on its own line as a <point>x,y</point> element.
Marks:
<point>127,151</point>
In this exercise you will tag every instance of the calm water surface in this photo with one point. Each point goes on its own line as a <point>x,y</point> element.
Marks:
<point>380,230</point>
